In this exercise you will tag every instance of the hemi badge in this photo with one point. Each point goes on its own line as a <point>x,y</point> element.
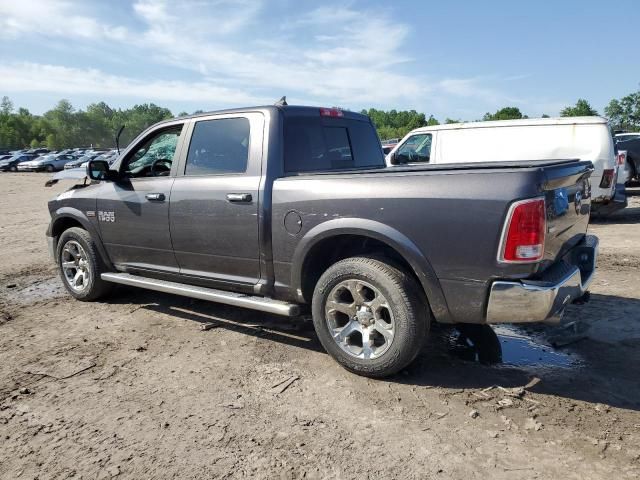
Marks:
<point>91,213</point>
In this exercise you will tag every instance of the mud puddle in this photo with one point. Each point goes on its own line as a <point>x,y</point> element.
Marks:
<point>505,345</point>
<point>28,291</point>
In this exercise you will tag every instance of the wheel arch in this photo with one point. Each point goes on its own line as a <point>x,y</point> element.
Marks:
<point>67,217</point>
<point>336,239</point>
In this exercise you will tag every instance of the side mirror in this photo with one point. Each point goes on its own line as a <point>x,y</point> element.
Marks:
<point>393,158</point>
<point>98,170</point>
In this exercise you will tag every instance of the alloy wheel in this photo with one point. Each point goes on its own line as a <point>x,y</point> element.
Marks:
<point>75,266</point>
<point>360,319</point>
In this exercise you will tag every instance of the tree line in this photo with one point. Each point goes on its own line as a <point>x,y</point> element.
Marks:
<point>64,126</point>
<point>623,114</point>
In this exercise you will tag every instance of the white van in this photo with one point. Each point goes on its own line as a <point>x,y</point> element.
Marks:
<point>584,138</point>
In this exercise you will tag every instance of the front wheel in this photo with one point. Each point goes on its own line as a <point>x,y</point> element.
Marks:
<point>370,316</point>
<point>49,168</point>
<point>81,265</point>
<point>13,168</point>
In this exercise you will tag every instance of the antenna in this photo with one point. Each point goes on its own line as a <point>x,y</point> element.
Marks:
<point>282,102</point>
<point>118,138</point>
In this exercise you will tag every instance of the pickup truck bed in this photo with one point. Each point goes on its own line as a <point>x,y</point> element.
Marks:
<point>303,212</point>
<point>452,240</point>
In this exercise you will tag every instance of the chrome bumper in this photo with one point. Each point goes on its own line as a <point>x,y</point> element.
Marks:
<point>545,299</point>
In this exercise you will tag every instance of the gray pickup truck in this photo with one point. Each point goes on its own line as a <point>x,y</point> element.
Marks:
<point>284,208</point>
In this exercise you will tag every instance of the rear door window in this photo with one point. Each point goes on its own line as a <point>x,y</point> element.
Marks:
<point>219,147</point>
<point>314,145</point>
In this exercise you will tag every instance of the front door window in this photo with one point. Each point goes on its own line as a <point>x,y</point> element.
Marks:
<point>417,148</point>
<point>154,157</point>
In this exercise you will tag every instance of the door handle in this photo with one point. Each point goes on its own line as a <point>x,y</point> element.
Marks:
<point>239,197</point>
<point>155,197</point>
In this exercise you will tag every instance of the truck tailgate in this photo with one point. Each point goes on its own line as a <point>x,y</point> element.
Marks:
<point>567,193</point>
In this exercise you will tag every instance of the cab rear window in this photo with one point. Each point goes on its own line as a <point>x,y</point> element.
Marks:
<point>314,144</point>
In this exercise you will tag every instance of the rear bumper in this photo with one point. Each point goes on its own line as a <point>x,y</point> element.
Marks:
<point>544,299</point>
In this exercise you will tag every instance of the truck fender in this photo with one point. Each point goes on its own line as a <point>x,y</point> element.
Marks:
<point>73,213</point>
<point>385,234</point>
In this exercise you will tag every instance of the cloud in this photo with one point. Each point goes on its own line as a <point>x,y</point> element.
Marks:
<point>51,18</point>
<point>227,52</point>
<point>32,77</point>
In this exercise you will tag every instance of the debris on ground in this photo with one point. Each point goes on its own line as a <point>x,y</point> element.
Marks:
<point>474,413</point>
<point>60,366</point>
<point>532,424</point>
<point>280,387</point>
<point>5,317</point>
<point>209,326</point>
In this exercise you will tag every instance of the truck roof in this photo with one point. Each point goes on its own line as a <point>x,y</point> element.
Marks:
<point>294,110</point>
<point>517,123</point>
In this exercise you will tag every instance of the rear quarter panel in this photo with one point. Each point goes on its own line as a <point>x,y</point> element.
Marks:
<point>453,219</point>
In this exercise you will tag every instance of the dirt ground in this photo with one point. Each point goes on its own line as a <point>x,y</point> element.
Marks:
<point>135,388</point>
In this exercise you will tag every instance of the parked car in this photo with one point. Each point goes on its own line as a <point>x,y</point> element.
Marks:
<point>80,162</point>
<point>50,163</point>
<point>261,208</point>
<point>110,156</point>
<point>387,147</point>
<point>631,145</point>
<point>628,136</point>
<point>14,161</point>
<point>584,138</point>
<point>38,151</point>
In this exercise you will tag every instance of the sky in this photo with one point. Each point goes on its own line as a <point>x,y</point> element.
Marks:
<point>456,59</point>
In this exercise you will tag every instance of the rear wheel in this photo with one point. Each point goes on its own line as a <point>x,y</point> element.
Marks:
<point>81,265</point>
<point>13,168</point>
<point>370,316</point>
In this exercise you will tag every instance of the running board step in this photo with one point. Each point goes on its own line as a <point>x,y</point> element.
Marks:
<point>263,304</point>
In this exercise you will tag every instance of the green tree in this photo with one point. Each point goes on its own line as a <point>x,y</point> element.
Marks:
<point>6,106</point>
<point>432,121</point>
<point>581,109</point>
<point>506,113</point>
<point>396,124</point>
<point>624,114</point>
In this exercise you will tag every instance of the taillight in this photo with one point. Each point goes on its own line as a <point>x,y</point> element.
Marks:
<point>607,178</point>
<point>331,112</point>
<point>523,236</point>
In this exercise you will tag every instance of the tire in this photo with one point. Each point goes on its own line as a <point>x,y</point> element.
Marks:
<point>49,168</point>
<point>13,168</point>
<point>82,279</point>
<point>362,298</point>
